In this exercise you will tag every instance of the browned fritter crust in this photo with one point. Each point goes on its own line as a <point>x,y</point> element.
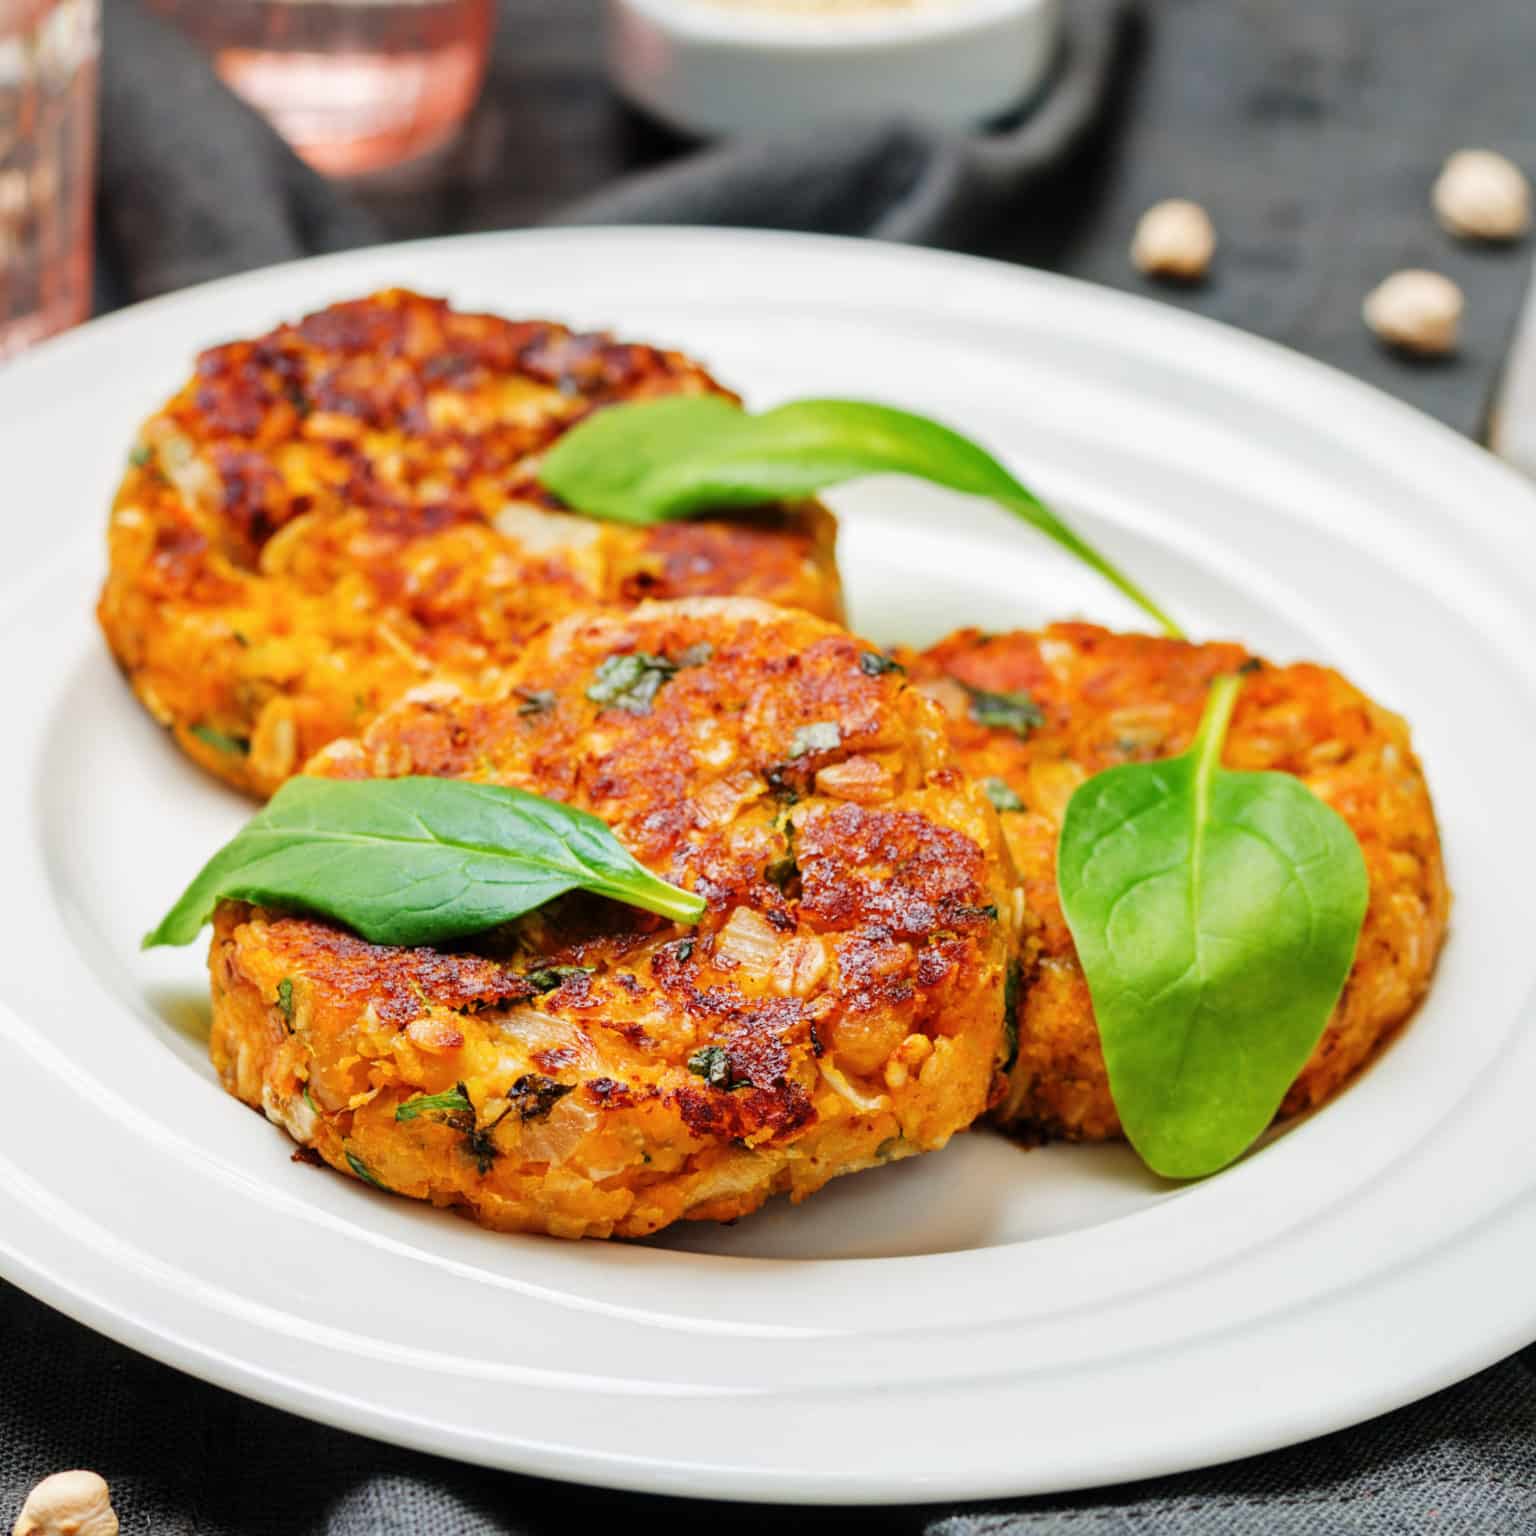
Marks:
<point>1111,698</point>
<point>328,514</point>
<point>849,973</point>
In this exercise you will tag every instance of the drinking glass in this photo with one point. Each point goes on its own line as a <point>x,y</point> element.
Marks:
<point>353,85</point>
<point>48,55</point>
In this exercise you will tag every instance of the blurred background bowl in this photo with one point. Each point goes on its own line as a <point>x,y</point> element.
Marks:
<point>718,68</point>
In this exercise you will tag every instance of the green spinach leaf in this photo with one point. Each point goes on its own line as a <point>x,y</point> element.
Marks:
<point>417,860</point>
<point>655,461</point>
<point>1216,915</point>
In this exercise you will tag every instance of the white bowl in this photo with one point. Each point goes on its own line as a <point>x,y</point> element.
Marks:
<point>714,69</point>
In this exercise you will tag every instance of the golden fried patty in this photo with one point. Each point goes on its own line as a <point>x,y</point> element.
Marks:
<point>840,1005</point>
<point>1109,698</point>
<point>325,516</point>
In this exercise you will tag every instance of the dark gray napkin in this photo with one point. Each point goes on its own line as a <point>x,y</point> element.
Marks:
<point>193,183</point>
<point>186,1459</point>
<point>892,181</point>
<point>199,186</point>
<point>1312,130</point>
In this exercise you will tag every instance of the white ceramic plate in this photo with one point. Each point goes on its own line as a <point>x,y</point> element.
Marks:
<point>980,1322</point>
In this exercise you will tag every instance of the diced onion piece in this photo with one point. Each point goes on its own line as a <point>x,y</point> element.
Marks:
<point>863,1102</point>
<point>196,480</point>
<point>1051,784</point>
<point>737,1174</point>
<point>799,966</point>
<point>539,1032</point>
<point>862,780</point>
<point>948,695</point>
<point>436,692</point>
<point>434,1035</point>
<point>1060,656</point>
<point>541,532</point>
<point>1146,725</point>
<point>748,943</point>
<point>294,1112</point>
<point>554,1138</point>
<point>719,800</point>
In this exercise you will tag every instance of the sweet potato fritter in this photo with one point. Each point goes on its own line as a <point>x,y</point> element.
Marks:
<point>326,516</point>
<point>840,1005</point>
<point>1109,698</point>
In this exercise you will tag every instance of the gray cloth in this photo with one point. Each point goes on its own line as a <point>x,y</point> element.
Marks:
<point>891,181</point>
<point>194,185</point>
<point>186,1459</point>
<point>1312,129</point>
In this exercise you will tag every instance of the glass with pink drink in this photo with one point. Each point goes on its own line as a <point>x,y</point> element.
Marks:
<point>353,85</point>
<point>48,56</point>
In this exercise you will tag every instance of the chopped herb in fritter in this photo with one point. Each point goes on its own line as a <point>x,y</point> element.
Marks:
<point>630,682</point>
<point>533,1095</point>
<point>1011,990</point>
<point>784,870</point>
<point>874,664</point>
<point>1016,712</point>
<point>450,1106</point>
<point>780,787</point>
<point>547,977</point>
<point>285,1000</point>
<point>141,454</point>
<point>536,701</point>
<point>236,746</point>
<point>823,736</point>
<point>1253,664</point>
<point>781,871</point>
<point>481,1144</point>
<point>366,1174</point>
<point>1001,794</point>
<point>712,1064</point>
<point>989,912</point>
<point>683,949</point>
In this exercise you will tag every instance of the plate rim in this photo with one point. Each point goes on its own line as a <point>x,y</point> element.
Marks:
<point>240,1376</point>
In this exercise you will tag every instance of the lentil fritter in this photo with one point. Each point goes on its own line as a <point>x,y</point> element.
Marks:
<point>592,1070</point>
<point>325,516</point>
<point>1032,715</point>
